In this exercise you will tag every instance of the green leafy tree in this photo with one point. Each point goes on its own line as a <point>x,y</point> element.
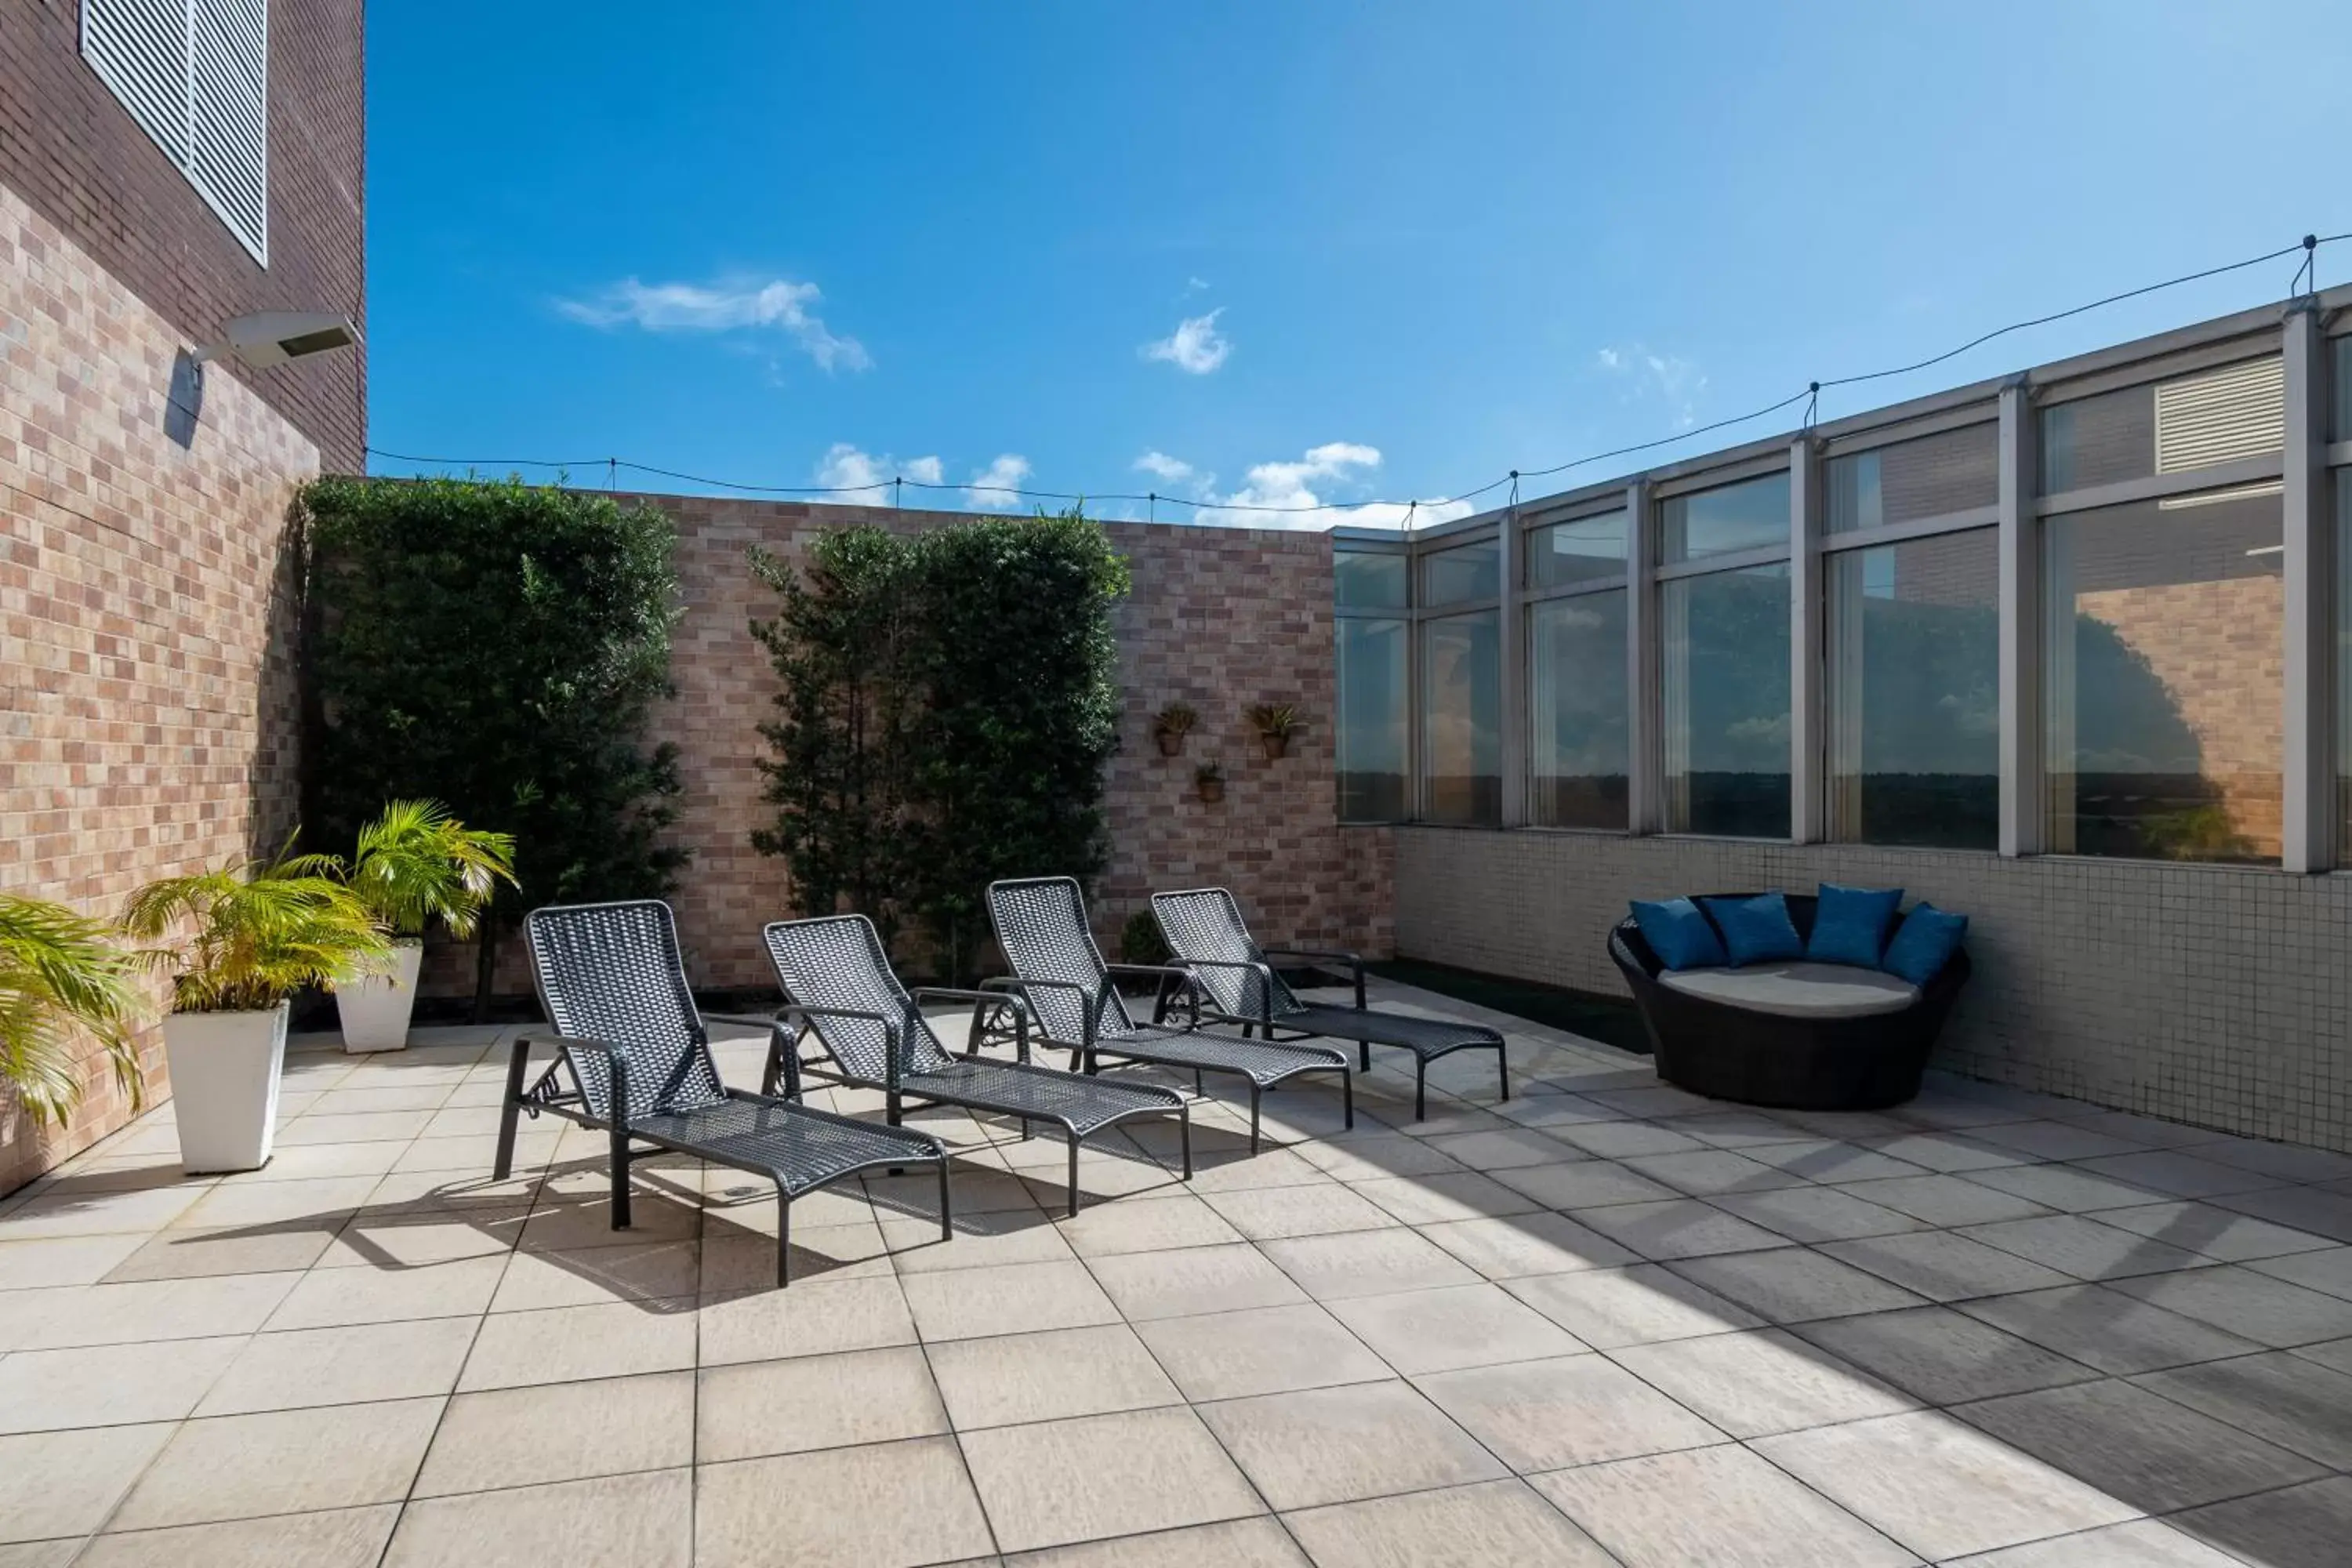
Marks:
<point>496,647</point>
<point>417,864</point>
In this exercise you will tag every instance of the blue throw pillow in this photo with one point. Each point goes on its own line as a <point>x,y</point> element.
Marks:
<point>1849,924</point>
<point>1756,929</point>
<point>1678,933</point>
<point>1926,943</point>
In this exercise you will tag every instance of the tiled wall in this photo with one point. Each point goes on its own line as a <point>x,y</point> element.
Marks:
<point>146,605</point>
<point>2211,994</point>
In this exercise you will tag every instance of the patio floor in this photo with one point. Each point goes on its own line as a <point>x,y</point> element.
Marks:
<point>1607,1322</point>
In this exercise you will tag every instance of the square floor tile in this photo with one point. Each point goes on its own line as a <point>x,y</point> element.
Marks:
<point>1609,1307</point>
<point>1257,1542</point>
<point>339,1298</point>
<point>56,1484</point>
<point>1491,1524</point>
<point>567,1343</point>
<point>2143,1543</point>
<point>1620,1140</point>
<point>2213,1232</point>
<point>560,1432</point>
<point>126,1314</point>
<point>282,1461</point>
<point>1338,1445</point>
<point>1195,1279</point>
<point>646,1520</point>
<point>2104,1328</point>
<point>814,1317</point>
<point>1014,1378</point>
<point>2323,1211</point>
<point>2255,1306</point>
<point>2085,1248</point>
<point>890,1505</point>
<point>1939,1486</point>
<point>1816,1214</point>
<point>753,1408</point>
<point>1499,1150</point>
<point>1678,1227</point>
<point>1760,1380</point>
<point>1710,1173</point>
<point>1793,1284</point>
<point>1714,1505</point>
<point>2177,1174</point>
<point>1942,1356</point>
<point>1441,1330</point>
<point>1269,1213</point>
<point>1827,1159</point>
<point>1007,1298</point>
<point>109,1386</point>
<point>2280,1397</point>
<point>1946,1151</point>
<point>1522,1245</point>
<point>2328,1271</point>
<point>2054,1141</point>
<point>65,1260</point>
<point>1433,1200</point>
<point>2301,1527</point>
<point>1267,1350</point>
<point>306,1367</point>
<point>1367,1263</point>
<point>2064,1187</point>
<point>2287,1161</point>
<point>324,1202</point>
<point>1945,1200</point>
<point>342,1538</point>
<point>1583,1184</point>
<point>1576,1410</point>
<point>1146,1225</point>
<point>2137,1446</point>
<point>1141,1470</point>
<point>1944,1267</point>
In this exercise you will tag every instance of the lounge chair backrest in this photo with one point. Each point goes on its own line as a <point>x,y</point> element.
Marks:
<point>1205,923</point>
<point>612,972</point>
<point>836,961</point>
<point>1041,924</point>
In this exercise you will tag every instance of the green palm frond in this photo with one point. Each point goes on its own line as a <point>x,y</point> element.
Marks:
<point>417,864</point>
<point>262,931</point>
<point>62,974</point>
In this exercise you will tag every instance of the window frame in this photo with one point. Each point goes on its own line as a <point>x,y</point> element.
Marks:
<point>1349,541</point>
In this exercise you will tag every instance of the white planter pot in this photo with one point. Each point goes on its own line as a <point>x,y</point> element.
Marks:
<point>374,1009</point>
<point>225,1069</point>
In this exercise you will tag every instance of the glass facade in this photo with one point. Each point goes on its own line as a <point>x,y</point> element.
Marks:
<point>1577,743</point>
<point>1723,663</point>
<point>1955,470</point>
<point>1731,517</point>
<point>1591,549</point>
<point>1462,718</point>
<point>1463,573</point>
<point>2174,426</point>
<point>1369,580</point>
<point>2163,677</point>
<point>1911,662</point>
<point>1374,755</point>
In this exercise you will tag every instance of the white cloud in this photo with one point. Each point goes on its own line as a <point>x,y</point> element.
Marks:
<point>1194,285</point>
<point>1281,494</point>
<point>845,467</point>
<point>1676,382</point>
<point>989,485</point>
<point>1160,465</point>
<point>1195,347</point>
<point>733,305</point>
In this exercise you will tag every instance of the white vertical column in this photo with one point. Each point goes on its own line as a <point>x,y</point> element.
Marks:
<point>2308,823</point>
<point>2020,629</point>
<point>1513,652</point>
<point>1805,754</point>
<point>1643,697</point>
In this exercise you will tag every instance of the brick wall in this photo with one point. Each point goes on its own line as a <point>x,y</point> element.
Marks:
<point>146,602</point>
<point>2213,994</point>
<point>71,152</point>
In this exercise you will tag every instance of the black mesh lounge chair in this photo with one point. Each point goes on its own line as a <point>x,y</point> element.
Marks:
<point>1204,930</point>
<point>838,981</point>
<point>1041,924</point>
<point>632,1058</point>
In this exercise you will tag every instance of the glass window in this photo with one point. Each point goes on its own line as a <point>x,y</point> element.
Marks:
<point>1462,713</point>
<point>2344,638</point>
<point>1724,638</point>
<point>1577,748</point>
<point>1578,552</point>
<point>1465,572</point>
<point>2173,426</point>
<point>2339,427</point>
<point>1913,687</point>
<point>1733,516</point>
<point>1953,470</point>
<point>1370,742</point>
<point>2163,676</point>
<point>1367,580</point>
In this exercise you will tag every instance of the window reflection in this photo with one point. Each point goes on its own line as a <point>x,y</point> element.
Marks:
<point>1464,573</point>
<point>1577,746</point>
<point>2173,426</point>
<point>1367,580</point>
<point>1462,718</point>
<point>1724,641</point>
<point>1370,741</point>
<point>1953,470</point>
<point>1588,548</point>
<point>1731,517</point>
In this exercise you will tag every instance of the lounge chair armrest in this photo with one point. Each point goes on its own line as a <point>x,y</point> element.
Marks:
<point>1263,972</point>
<point>894,1036</point>
<point>1189,985</point>
<point>1090,1000</point>
<point>983,1001</point>
<point>616,1067</point>
<point>1354,962</point>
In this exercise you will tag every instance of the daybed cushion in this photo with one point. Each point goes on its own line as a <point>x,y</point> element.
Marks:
<point>1681,936</point>
<point>1756,929</point>
<point>1924,944</point>
<point>1798,989</point>
<point>1849,924</point>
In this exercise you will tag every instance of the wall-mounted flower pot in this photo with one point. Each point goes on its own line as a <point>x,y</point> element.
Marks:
<point>1277,746</point>
<point>1212,790</point>
<point>1172,742</point>
<point>375,1008</point>
<point>224,1070</point>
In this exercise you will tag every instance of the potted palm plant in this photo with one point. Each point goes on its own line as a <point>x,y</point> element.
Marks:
<point>1276,723</point>
<point>245,938</point>
<point>416,864</point>
<point>1209,779</point>
<point>1171,725</point>
<point>62,976</point>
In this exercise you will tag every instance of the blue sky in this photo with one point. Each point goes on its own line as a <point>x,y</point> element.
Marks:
<point>1277,250</point>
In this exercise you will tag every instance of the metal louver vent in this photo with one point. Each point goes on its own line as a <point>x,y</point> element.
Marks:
<point>194,74</point>
<point>2239,411</point>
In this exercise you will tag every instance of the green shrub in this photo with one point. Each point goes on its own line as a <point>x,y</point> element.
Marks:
<point>1140,940</point>
<point>496,647</point>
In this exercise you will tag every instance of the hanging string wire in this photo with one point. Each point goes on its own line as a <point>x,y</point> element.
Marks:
<point>2305,272</point>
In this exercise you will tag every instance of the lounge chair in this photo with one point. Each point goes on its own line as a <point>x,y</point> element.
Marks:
<point>1041,924</point>
<point>633,1058</point>
<point>1205,932</point>
<point>838,981</point>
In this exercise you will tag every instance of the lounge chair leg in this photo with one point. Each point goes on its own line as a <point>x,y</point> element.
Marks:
<point>511,1111</point>
<point>1025,1129</point>
<point>947,1219</point>
<point>1421,1089</point>
<point>1184,1133</point>
<point>1347,1096</point>
<point>1199,1090</point>
<point>1503,1070</point>
<point>1074,1177</point>
<point>1363,1055</point>
<point>784,1239</point>
<point>1255,1092</point>
<point>620,1177</point>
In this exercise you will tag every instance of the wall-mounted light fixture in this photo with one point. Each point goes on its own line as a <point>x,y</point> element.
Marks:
<point>273,336</point>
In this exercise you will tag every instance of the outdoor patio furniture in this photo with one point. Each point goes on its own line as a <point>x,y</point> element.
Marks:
<point>1041,924</point>
<point>1800,1035</point>
<point>637,1061</point>
<point>1204,930</point>
<point>838,983</point>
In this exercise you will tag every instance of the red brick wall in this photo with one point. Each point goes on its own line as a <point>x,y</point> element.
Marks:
<point>71,151</point>
<point>147,723</point>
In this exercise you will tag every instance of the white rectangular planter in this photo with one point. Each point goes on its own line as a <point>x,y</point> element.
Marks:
<point>375,1008</point>
<point>224,1070</point>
